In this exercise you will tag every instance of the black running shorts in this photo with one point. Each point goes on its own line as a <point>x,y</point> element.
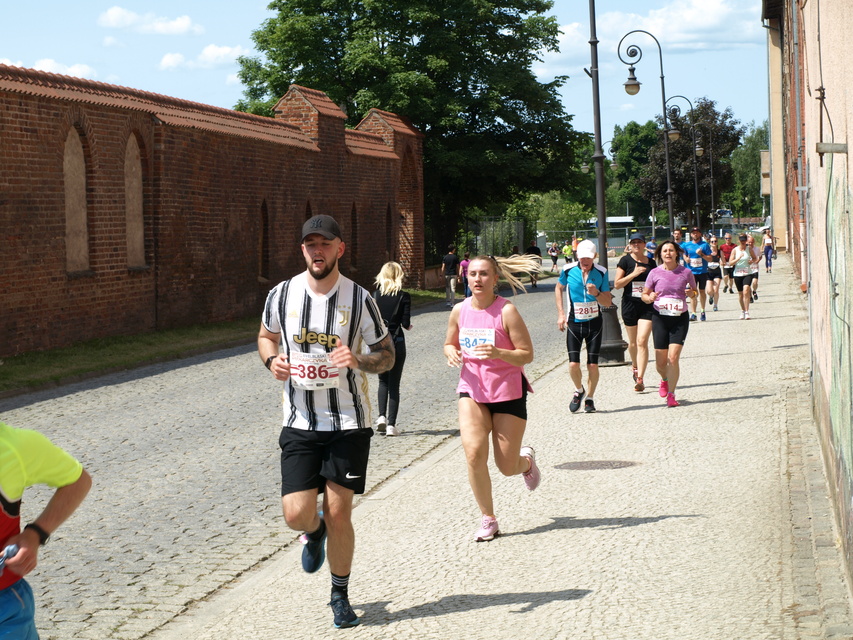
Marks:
<point>744,281</point>
<point>310,458</point>
<point>667,330</point>
<point>579,332</point>
<point>517,407</point>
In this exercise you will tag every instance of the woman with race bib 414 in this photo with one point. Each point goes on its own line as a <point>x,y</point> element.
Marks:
<point>667,287</point>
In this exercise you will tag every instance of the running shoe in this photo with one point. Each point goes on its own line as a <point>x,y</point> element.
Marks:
<point>575,404</point>
<point>344,615</point>
<point>711,299</point>
<point>392,430</point>
<point>692,317</point>
<point>488,530</point>
<point>702,317</point>
<point>381,423</point>
<point>731,290</point>
<point>532,475</point>
<point>313,551</point>
<point>634,373</point>
<point>715,307</point>
<point>725,289</point>
<point>746,315</point>
<point>639,386</point>
<point>742,315</point>
<point>589,406</point>
<point>663,389</point>
<point>670,400</point>
<point>755,297</point>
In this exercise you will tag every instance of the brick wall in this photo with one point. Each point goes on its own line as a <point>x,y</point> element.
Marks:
<point>208,175</point>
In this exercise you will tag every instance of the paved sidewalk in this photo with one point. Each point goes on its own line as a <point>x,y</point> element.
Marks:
<point>707,521</point>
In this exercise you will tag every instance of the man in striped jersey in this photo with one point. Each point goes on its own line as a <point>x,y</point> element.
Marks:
<point>322,320</point>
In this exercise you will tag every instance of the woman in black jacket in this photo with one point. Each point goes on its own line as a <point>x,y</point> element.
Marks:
<point>395,305</point>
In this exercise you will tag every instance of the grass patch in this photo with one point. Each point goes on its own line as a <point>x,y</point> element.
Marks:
<point>40,368</point>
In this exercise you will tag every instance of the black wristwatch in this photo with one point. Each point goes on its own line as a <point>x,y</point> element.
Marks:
<point>268,363</point>
<point>43,535</point>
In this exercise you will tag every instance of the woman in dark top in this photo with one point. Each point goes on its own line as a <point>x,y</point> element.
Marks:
<point>395,305</point>
<point>631,274</point>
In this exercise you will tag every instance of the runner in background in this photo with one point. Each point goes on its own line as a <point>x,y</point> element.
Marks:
<point>753,266</point>
<point>715,273</point>
<point>726,251</point>
<point>696,250</point>
<point>535,251</point>
<point>631,272</point>
<point>741,260</point>
<point>585,286</point>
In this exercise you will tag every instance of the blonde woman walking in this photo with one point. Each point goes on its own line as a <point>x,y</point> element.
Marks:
<point>395,305</point>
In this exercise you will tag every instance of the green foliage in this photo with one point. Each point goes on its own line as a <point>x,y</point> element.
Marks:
<point>555,213</point>
<point>460,70</point>
<point>719,134</point>
<point>630,146</point>
<point>745,194</point>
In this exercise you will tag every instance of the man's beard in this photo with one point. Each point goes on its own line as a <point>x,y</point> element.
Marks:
<point>328,267</point>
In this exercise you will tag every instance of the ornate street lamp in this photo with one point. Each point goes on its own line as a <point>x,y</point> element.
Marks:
<point>632,87</point>
<point>614,166</point>
<point>676,112</point>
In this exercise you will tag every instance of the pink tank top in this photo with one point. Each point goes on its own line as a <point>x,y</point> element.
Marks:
<point>490,380</point>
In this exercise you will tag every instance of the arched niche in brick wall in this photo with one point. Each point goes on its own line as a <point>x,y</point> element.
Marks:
<point>390,236</point>
<point>133,203</point>
<point>76,205</point>
<point>407,205</point>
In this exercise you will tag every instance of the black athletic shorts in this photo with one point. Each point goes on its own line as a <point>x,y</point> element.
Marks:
<point>713,274</point>
<point>517,407</point>
<point>727,271</point>
<point>634,310</point>
<point>744,281</point>
<point>667,330</point>
<point>310,458</point>
<point>701,280</point>
<point>579,332</point>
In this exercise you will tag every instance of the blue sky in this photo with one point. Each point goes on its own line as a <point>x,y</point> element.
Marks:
<point>187,49</point>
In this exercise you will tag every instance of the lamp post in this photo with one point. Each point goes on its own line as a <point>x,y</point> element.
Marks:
<point>676,112</point>
<point>632,87</point>
<point>700,152</point>
<point>612,346</point>
<point>614,166</point>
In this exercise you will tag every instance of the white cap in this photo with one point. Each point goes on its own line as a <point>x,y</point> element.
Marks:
<point>586,249</point>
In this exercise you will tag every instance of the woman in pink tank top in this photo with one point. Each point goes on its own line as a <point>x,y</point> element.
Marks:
<point>488,339</point>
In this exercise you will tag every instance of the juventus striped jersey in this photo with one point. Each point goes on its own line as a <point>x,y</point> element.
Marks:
<point>318,396</point>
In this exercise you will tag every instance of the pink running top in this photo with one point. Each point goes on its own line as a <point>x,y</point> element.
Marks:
<point>492,379</point>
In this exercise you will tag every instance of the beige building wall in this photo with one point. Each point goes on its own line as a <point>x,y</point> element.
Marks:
<point>778,200</point>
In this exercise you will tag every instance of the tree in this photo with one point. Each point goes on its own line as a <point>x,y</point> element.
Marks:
<point>745,195</point>
<point>460,70</point>
<point>630,146</point>
<point>717,129</point>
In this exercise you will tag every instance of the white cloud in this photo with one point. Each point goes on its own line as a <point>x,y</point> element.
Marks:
<point>627,106</point>
<point>11,63</point>
<point>120,18</point>
<point>232,78</point>
<point>172,61</point>
<point>211,56</point>
<point>77,70</point>
<point>681,26</point>
<point>110,41</point>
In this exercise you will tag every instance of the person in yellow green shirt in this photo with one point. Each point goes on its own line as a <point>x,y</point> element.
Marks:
<point>28,458</point>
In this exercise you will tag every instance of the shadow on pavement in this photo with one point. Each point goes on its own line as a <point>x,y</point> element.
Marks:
<point>571,522</point>
<point>686,403</point>
<point>377,614</point>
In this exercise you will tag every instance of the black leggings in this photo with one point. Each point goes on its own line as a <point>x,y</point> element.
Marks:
<point>389,383</point>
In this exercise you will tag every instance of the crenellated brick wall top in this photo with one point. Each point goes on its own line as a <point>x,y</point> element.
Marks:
<point>172,111</point>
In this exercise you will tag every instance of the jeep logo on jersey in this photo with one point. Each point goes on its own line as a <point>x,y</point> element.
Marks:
<point>311,337</point>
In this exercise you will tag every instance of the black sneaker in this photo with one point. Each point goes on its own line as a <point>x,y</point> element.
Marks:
<point>589,406</point>
<point>314,551</point>
<point>344,615</point>
<point>575,404</point>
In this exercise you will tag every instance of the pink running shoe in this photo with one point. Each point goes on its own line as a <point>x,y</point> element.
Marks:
<point>532,475</point>
<point>488,530</point>
<point>670,400</point>
<point>663,389</point>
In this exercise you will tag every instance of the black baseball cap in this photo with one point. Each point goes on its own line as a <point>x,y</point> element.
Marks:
<point>326,226</point>
<point>637,236</point>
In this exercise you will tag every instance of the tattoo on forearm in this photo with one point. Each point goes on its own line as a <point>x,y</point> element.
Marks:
<point>380,359</point>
